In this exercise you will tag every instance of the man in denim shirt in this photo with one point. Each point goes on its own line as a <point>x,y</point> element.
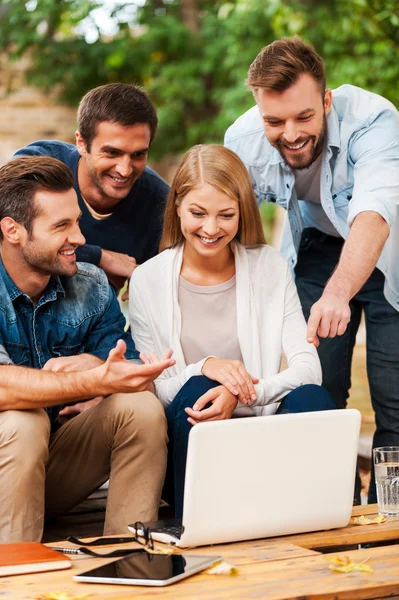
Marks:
<point>331,159</point>
<point>57,316</point>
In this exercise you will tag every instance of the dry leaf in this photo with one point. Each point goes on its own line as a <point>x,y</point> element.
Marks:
<point>366,521</point>
<point>222,568</point>
<point>345,565</point>
<point>61,596</point>
<point>379,519</point>
<point>165,549</point>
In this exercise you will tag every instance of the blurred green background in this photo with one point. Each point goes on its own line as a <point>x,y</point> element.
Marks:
<point>192,55</point>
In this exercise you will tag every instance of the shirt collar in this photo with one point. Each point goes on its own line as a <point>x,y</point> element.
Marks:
<point>333,137</point>
<point>53,287</point>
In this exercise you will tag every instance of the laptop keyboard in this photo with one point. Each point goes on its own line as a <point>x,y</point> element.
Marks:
<point>172,527</point>
<point>175,531</point>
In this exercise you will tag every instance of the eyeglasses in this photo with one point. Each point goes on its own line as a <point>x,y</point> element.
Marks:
<point>144,538</point>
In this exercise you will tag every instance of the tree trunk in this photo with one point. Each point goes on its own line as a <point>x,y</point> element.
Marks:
<point>189,14</point>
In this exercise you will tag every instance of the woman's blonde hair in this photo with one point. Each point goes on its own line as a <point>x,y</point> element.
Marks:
<point>223,169</point>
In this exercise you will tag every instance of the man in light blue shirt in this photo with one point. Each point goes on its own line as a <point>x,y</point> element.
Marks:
<point>331,159</point>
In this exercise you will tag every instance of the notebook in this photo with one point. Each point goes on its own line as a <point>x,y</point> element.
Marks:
<point>30,557</point>
<point>266,476</point>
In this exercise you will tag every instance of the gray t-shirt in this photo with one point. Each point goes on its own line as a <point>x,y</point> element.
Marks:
<point>307,187</point>
<point>209,320</point>
<point>4,357</point>
<point>209,325</point>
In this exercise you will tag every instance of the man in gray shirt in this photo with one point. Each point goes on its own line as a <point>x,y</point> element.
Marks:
<point>331,159</point>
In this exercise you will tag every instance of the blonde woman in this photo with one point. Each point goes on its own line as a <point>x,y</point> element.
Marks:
<point>225,302</point>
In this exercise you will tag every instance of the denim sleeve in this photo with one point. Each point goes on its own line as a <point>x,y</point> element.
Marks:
<point>374,153</point>
<point>88,253</point>
<point>108,328</point>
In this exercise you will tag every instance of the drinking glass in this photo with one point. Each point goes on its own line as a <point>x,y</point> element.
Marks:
<point>386,465</point>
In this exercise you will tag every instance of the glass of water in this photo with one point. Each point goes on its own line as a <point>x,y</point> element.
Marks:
<point>386,465</point>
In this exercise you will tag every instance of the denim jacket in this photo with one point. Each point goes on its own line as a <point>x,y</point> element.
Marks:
<point>74,315</point>
<point>360,172</point>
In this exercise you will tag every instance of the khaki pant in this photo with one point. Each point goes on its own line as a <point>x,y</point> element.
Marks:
<point>122,439</point>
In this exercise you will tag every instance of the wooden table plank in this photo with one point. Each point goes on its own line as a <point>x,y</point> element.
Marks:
<point>255,551</point>
<point>290,579</point>
<point>364,509</point>
<point>349,535</point>
<point>311,578</point>
<point>240,554</point>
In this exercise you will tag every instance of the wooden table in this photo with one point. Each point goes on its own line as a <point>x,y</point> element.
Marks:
<point>350,535</point>
<point>274,569</point>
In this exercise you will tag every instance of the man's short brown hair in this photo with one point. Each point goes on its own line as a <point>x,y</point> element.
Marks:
<point>279,65</point>
<point>21,178</point>
<point>122,103</point>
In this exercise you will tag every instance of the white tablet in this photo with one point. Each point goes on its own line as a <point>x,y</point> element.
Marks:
<point>142,568</point>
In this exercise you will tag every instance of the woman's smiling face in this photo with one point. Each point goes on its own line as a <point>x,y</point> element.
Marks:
<point>209,219</point>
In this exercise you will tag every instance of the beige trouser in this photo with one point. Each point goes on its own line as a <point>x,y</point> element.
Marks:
<point>123,439</point>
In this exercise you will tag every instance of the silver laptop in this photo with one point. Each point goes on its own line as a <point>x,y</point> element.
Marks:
<point>266,476</point>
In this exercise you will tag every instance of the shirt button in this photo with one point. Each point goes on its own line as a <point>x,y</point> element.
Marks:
<point>39,348</point>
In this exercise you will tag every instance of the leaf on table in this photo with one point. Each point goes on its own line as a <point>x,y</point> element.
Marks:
<point>366,521</point>
<point>61,596</point>
<point>222,568</point>
<point>164,549</point>
<point>343,564</point>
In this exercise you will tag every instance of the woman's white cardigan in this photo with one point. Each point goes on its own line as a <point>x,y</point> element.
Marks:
<point>269,321</point>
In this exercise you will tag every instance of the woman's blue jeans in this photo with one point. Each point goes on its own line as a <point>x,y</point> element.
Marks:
<point>306,398</point>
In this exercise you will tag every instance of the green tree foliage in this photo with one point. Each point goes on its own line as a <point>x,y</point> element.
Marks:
<point>193,55</point>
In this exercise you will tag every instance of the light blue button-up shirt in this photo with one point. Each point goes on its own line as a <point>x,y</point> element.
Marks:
<point>360,172</point>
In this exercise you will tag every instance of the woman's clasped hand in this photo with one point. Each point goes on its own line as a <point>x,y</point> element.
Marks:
<point>233,375</point>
